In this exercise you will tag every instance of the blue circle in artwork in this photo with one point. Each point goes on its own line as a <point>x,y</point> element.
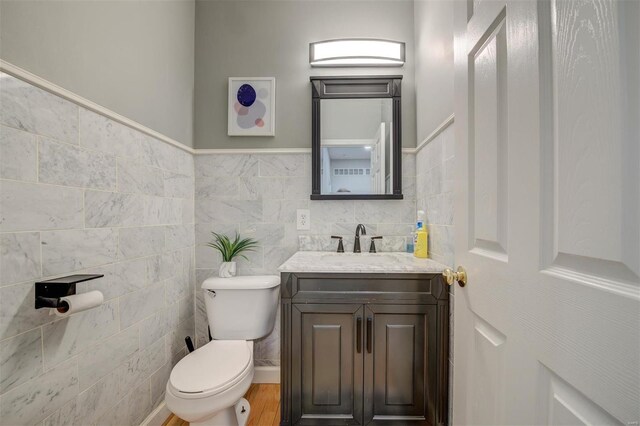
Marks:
<point>246,95</point>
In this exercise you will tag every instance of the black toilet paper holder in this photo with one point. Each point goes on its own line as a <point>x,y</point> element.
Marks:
<point>48,293</point>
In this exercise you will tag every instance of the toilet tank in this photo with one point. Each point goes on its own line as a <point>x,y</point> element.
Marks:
<point>241,308</point>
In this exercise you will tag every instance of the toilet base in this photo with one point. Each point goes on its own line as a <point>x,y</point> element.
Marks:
<point>237,414</point>
<point>242,409</point>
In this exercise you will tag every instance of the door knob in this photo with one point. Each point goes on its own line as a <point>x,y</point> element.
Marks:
<point>460,276</point>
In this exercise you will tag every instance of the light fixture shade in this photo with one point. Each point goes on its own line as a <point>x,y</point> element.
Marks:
<point>357,52</point>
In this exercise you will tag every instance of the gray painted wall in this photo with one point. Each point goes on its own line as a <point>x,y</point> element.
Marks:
<point>271,39</point>
<point>434,64</point>
<point>133,57</point>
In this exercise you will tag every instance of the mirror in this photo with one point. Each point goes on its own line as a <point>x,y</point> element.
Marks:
<point>356,138</point>
<point>355,146</point>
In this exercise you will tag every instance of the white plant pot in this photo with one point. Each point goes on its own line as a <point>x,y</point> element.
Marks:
<point>227,270</point>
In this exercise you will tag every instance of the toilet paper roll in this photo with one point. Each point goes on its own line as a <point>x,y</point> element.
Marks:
<point>80,302</point>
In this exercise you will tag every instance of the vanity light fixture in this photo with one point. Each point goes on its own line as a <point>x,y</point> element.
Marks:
<point>357,52</point>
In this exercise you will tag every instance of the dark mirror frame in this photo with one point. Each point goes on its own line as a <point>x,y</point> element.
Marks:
<point>356,87</point>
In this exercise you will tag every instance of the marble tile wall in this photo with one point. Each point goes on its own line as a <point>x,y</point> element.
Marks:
<point>434,188</point>
<point>82,193</point>
<point>258,195</point>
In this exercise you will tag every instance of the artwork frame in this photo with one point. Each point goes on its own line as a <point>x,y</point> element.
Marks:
<point>251,108</point>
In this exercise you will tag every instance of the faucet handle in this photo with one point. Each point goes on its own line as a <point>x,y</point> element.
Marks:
<point>372,247</point>
<point>340,245</point>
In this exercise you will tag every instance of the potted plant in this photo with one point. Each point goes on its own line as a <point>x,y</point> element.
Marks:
<point>230,249</point>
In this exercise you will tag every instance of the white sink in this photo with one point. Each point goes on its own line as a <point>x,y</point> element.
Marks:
<point>320,261</point>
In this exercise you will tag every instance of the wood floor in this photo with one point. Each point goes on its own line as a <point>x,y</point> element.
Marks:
<point>264,399</point>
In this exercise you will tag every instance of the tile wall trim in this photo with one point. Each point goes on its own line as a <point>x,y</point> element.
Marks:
<point>441,128</point>
<point>269,151</point>
<point>41,83</point>
<point>252,151</point>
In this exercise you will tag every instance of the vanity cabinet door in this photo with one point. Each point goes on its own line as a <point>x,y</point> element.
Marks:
<point>327,362</point>
<point>400,364</point>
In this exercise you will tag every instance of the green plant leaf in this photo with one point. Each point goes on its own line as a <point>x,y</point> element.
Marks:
<point>230,249</point>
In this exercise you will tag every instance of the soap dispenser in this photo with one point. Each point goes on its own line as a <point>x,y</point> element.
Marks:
<point>420,237</point>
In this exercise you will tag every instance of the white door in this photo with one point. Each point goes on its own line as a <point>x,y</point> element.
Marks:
<point>377,161</point>
<point>547,330</point>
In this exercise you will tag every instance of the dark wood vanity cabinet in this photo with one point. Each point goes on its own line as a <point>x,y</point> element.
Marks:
<point>364,349</point>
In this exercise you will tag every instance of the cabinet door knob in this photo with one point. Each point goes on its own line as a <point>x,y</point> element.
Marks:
<point>451,277</point>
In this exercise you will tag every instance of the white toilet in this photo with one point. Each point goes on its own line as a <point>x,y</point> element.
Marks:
<point>207,386</point>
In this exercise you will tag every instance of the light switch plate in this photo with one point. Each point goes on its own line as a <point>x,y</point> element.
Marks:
<point>303,219</point>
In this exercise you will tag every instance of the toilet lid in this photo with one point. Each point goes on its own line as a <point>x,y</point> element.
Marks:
<point>211,368</point>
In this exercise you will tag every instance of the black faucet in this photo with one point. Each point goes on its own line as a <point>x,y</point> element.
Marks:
<point>356,245</point>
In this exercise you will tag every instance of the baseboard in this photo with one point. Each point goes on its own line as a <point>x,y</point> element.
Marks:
<point>158,416</point>
<point>266,374</point>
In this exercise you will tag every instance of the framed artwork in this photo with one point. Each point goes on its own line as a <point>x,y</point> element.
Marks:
<point>252,106</point>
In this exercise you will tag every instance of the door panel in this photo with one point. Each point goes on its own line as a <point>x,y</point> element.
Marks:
<point>547,212</point>
<point>488,373</point>
<point>324,349</point>
<point>590,157</point>
<point>327,369</point>
<point>562,404</point>
<point>487,141</point>
<point>401,361</point>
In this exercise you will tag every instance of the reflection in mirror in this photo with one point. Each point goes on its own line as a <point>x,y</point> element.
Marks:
<point>356,146</point>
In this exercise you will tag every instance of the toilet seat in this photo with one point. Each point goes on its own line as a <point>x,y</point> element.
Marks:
<point>212,369</point>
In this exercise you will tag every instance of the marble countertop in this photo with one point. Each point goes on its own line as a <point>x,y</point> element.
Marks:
<point>322,261</point>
